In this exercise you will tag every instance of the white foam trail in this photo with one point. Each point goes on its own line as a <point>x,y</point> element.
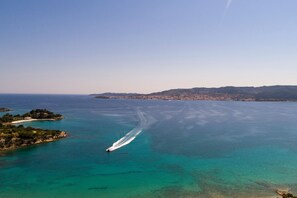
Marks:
<point>131,135</point>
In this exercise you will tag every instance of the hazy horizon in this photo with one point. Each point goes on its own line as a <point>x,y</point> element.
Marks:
<point>79,47</point>
<point>133,92</point>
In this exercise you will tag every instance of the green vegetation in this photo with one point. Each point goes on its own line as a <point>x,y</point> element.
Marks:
<point>13,137</point>
<point>34,114</point>
<point>42,114</point>
<point>7,118</point>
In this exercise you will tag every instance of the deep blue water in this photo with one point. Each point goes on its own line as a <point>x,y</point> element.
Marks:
<point>186,149</point>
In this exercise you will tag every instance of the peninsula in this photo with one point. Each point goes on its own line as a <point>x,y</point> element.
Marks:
<point>14,137</point>
<point>265,93</point>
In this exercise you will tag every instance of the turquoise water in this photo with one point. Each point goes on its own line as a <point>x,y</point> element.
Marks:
<point>186,149</point>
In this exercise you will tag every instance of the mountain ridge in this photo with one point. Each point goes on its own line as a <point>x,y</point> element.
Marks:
<point>246,93</point>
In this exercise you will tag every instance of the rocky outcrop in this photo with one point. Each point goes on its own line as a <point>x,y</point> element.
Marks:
<point>4,109</point>
<point>285,194</point>
<point>18,140</point>
<point>14,137</point>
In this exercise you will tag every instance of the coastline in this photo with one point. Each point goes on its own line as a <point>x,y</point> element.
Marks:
<point>13,135</point>
<point>32,120</point>
<point>278,93</point>
<point>62,135</point>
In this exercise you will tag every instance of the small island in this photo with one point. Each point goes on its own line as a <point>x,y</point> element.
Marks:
<point>2,109</point>
<point>34,115</point>
<point>13,137</point>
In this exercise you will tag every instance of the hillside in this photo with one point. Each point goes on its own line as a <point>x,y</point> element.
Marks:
<point>265,93</point>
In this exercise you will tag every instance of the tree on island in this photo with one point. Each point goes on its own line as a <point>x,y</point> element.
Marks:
<point>13,137</point>
<point>34,114</point>
<point>6,118</point>
<point>42,114</point>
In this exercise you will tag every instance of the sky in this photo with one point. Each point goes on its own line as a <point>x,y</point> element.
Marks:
<point>96,46</point>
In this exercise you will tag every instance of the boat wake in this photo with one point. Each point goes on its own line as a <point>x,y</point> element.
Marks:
<point>131,135</point>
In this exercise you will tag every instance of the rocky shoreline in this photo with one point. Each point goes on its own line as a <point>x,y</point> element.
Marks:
<point>16,142</point>
<point>13,137</point>
<point>32,120</point>
<point>285,194</point>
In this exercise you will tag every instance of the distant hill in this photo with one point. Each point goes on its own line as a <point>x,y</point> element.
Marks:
<point>265,93</point>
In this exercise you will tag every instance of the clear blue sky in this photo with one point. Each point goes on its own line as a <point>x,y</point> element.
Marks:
<point>93,46</point>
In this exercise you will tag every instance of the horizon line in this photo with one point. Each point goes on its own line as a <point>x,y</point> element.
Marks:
<point>86,94</point>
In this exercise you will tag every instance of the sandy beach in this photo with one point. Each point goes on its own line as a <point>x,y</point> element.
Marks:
<point>31,120</point>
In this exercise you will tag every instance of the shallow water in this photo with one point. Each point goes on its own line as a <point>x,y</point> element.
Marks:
<point>188,149</point>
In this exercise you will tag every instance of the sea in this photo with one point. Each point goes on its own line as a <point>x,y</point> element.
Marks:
<point>203,149</point>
